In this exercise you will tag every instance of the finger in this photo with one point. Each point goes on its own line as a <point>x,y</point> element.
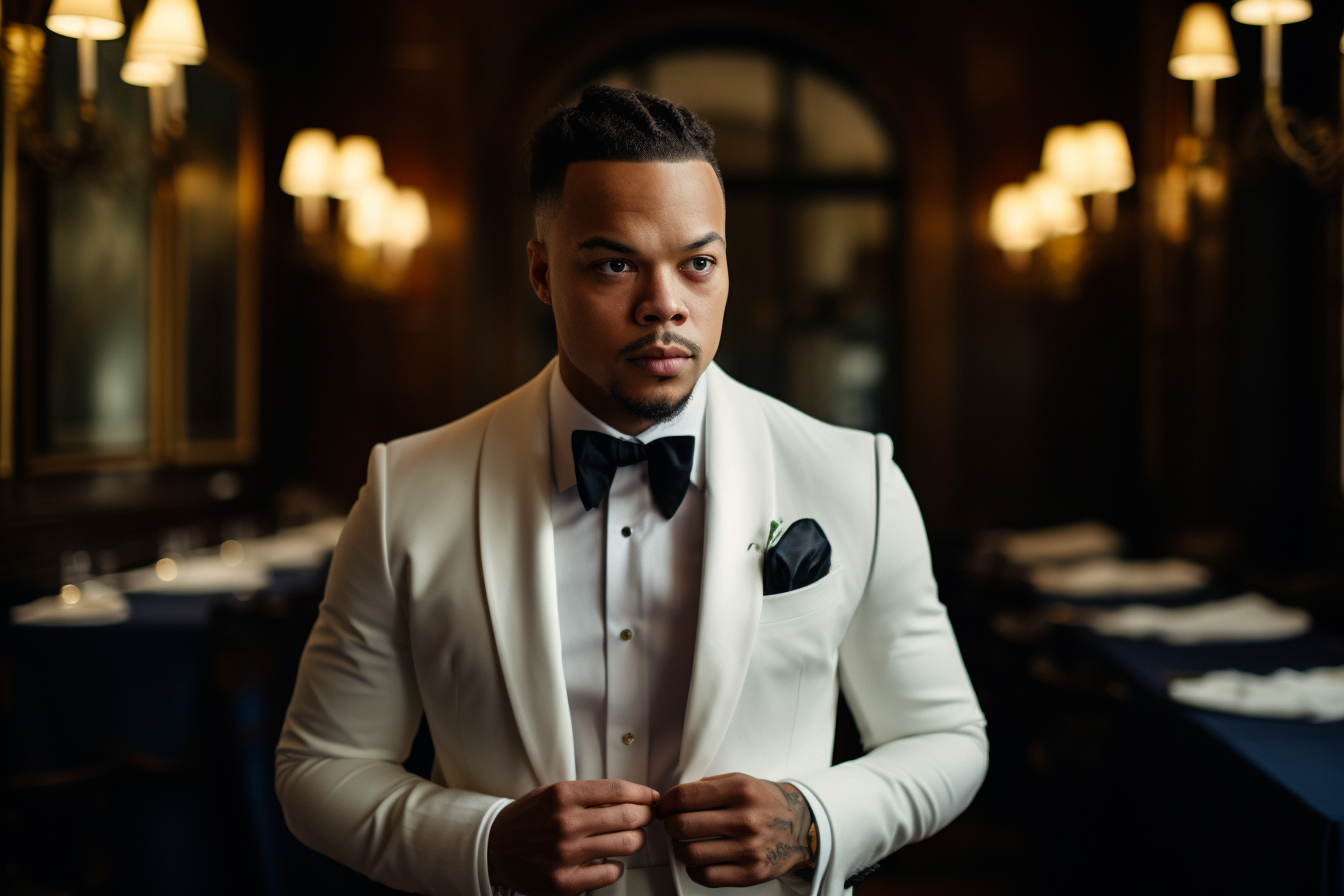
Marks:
<point>709,852</point>
<point>726,875</point>
<point>714,823</point>
<point>602,846</point>
<point>620,817</point>
<point>591,876</point>
<point>696,796</point>
<point>609,791</point>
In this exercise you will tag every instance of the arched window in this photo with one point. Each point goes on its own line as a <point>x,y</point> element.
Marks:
<point>813,193</point>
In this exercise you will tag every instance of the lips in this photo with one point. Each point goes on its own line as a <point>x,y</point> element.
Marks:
<point>662,360</point>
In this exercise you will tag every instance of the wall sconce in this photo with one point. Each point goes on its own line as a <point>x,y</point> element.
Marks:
<point>165,37</point>
<point>1091,160</point>
<point>1321,150</point>
<point>1203,53</point>
<point>380,224</point>
<point>88,21</point>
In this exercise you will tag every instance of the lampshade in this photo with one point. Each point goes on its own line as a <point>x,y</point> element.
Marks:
<point>1057,209</point>
<point>136,69</point>
<point>1203,50</point>
<point>1013,221</point>
<point>358,161</point>
<point>171,31</point>
<point>307,167</point>
<point>1267,12</point>
<point>369,211</point>
<point>407,224</point>
<point>1112,164</point>
<point>1066,157</point>
<point>95,19</point>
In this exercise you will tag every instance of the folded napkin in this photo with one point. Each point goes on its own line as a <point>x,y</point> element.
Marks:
<point>1071,542</point>
<point>93,603</point>
<point>1249,617</point>
<point>200,574</point>
<point>1317,694</point>
<point>1112,577</point>
<point>302,547</point>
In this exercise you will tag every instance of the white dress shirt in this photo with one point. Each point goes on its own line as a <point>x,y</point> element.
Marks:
<point>628,583</point>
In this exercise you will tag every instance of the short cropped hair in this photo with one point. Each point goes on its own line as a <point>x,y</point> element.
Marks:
<point>614,124</point>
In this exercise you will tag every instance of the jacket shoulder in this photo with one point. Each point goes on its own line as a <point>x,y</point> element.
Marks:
<point>797,434</point>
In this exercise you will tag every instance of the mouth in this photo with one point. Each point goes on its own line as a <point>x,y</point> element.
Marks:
<point>662,360</point>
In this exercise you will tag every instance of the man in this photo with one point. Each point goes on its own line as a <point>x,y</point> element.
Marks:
<point>569,584</point>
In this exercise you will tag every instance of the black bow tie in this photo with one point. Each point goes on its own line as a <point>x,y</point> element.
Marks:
<point>597,455</point>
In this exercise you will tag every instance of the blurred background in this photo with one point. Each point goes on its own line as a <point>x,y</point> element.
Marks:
<point>1081,261</point>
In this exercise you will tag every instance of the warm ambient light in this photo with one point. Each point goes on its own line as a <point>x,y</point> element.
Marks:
<point>1091,160</point>
<point>171,31</point>
<point>166,569</point>
<point>70,594</point>
<point>231,552</point>
<point>306,175</point>
<point>1203,50</point>
<point>92,19</point>
<point>408,220</point>
<point>1057,209</point>
<point>1269,12</point>
<point>368,212</point>
<point>358,161</point>
<point>141,69</point>
<point>1203,53</point>
<point>1066,157</point>
<point>1013,223</point>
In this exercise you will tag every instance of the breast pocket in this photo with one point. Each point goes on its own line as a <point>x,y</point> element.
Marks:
<point>801,601</point>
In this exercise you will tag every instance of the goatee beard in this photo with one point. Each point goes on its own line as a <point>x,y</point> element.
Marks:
<point>654,410</point>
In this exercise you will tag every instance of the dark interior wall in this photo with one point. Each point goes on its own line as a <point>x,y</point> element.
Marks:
<point>1143,391</point>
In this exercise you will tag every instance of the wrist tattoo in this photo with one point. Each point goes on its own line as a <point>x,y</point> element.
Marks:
<point>798,826</point>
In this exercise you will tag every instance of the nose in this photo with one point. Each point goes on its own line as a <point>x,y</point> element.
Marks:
<point>660,302</point>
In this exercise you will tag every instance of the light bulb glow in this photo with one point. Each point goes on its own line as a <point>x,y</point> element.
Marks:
<point>170,31</point>
<point>368,212</point>
<point>1013,221</point>
<point>1269,12</point>
<point>358,161</point>
<point>1057,209</point>
<point>91,19</point>
<point>1203,50</point>
<point>308,161</point>
<point>407,223</point>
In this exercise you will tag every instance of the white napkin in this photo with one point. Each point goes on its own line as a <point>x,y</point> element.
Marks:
<point>93,603</point>
<point>1107,576</point>
<point>302,547</point>
<point>201,574</point>
<point>1317,695</point>
<point>1072,542</point>
<point>1249,617</point>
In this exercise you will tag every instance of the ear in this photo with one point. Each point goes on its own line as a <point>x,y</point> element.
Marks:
<point>539,270</point>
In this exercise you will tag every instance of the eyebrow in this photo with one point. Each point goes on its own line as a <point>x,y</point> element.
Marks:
<point>602,242</point>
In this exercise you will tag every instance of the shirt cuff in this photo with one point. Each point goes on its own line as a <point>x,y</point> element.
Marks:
<point>795,881</point>
<point>483,853</point>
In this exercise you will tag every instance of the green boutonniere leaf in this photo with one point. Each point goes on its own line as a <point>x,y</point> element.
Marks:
<point>772,537</point>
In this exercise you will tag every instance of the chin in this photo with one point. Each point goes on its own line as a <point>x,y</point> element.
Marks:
<point>658,402</point>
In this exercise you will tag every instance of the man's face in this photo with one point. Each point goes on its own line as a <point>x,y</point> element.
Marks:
<point>635,266</point>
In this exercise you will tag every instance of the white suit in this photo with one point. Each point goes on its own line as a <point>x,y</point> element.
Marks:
<point>442,599</point>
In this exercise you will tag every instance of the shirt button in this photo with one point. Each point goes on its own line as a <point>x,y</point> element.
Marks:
<point>626,634</point>
<point>628,738</point>
<point>625,530</point>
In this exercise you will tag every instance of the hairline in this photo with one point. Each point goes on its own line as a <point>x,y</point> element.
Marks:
<point>546,207</point>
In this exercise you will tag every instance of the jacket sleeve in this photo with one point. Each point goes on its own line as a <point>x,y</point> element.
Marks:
<point>350,725</point>
<point>902,675</point>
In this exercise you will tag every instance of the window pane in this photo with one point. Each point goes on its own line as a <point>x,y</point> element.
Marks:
<point>836,133</point>
<point>737,92</point>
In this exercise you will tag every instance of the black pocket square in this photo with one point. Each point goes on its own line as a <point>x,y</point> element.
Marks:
<point>800,557</point>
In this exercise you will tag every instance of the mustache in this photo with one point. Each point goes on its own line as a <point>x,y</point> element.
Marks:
<point>667,337</point>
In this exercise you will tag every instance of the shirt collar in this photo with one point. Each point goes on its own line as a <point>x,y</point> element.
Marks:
<point>567,415</point>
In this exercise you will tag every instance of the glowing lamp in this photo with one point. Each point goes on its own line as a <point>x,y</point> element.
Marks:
<point>407,224</point>
<point>171,31</point>
<point>1013,221</point>
<point>307,167</point>
<point>141,69</point>
<point>1057,209</point>
<point>1267,12</point>
<point>1066,157</point>
<point>1203,50</point>
<point>358,161</point>
<point>1111,162</point>
<point>368,213</point>
<point>90,19</point>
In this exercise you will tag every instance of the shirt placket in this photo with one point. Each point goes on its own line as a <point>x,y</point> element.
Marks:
<point>627,746</point>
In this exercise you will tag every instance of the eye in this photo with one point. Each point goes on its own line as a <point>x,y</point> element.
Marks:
<point>614,266</point>
<point>701,264</point>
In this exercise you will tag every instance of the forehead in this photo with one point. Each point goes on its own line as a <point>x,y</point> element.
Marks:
<point>622,195</point>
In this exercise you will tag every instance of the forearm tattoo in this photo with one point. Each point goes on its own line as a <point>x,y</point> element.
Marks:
<point>793,830</point>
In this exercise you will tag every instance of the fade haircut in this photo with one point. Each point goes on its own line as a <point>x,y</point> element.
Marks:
<point>613,124</point>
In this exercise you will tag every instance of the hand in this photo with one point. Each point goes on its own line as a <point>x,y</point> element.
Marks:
<point>760,829</point>
<point>552,841</point>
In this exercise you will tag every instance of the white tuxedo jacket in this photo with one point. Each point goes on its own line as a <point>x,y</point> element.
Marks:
<point>442,599</point>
